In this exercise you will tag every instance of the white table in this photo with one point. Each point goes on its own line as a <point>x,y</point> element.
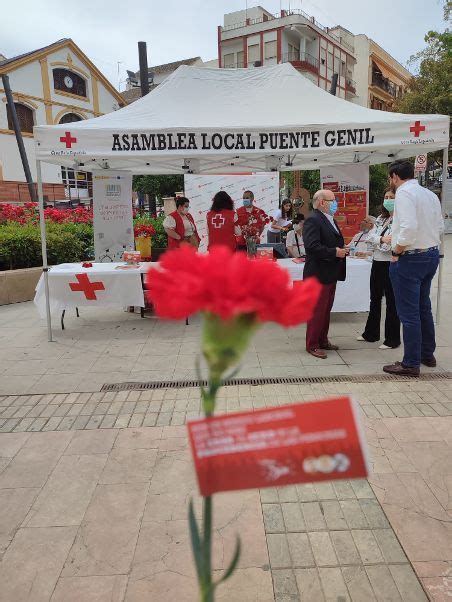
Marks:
<point>102,285</point>
<point>351,295</point>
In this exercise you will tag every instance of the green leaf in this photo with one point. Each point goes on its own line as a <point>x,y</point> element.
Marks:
<point>195,542</point>
<point>233,565</point>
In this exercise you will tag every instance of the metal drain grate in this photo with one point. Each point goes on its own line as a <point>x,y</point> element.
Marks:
<point>282,380</point>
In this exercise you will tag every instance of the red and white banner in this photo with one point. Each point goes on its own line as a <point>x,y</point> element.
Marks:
<point>201,190</point>
<point>297,443</point>
<point>351,185</point>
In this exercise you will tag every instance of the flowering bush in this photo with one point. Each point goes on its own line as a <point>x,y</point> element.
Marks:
<point>143,230</point>
<point>29,213</point>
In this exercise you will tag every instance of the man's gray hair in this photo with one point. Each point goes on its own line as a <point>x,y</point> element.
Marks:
<point>372,219</point>
<point>319,196</point>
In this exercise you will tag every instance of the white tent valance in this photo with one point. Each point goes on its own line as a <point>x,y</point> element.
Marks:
<point>235,120</point>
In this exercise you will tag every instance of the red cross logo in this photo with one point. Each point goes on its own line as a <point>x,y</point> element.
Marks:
<point>68,139</point>
<point>84,285</point>
<point>417,128</point>
<point>218,220</point>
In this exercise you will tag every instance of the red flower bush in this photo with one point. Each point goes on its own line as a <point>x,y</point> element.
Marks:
<point>228,284</point>
<point>28,213</point>
<point>143,230</point>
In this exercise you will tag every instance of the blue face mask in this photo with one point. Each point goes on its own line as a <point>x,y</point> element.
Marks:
<point>247,202</point>
<point>389,204</point>
<point>333,207</point>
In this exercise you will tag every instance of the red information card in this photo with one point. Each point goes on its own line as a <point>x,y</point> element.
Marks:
<point>297,443</point>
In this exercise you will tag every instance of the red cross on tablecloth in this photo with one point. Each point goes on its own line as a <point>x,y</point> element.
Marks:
<point>218,220</point>
<point>417,128</point>
<point>68,139</point>
<point>84,285</point>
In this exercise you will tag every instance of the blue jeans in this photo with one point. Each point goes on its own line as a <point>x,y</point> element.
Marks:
<point>411,278</point>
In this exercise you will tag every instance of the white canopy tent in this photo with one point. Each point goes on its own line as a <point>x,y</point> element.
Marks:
<point>234,121</point>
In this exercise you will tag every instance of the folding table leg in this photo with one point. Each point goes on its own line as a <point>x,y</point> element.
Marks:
<point>62,319</point>
<point>187,323</point>
<point>76,311</point>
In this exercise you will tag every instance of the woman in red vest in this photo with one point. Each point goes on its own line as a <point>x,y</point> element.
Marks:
<point>221,222</point>
<point>180,225</point>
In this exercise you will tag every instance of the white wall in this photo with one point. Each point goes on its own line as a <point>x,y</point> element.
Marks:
<point>361,71</point>
<point>28,80</point>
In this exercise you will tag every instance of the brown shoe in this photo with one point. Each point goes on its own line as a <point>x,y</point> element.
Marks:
<point>317,353</point>
<point>329,347</point>
<point>430,362</point>
<point>398,369</point>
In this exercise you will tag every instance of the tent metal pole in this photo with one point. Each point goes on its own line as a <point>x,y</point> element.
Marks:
<point>45,268</point>
<point>441,248</point>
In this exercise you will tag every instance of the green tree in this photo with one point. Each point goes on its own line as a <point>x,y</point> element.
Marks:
<point>430,90</point>
<point>378,183</point>
<point>159,186</point>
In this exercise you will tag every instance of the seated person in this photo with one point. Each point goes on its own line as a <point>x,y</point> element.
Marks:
<point>294,240</point>
<point>361,243</point>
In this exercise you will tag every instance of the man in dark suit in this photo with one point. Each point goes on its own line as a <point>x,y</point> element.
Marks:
<point>325,259</point>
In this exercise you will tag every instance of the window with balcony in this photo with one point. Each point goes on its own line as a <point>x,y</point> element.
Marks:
<point>322,56</point>
<point>240,59</point>
<point>228,61</point>
<point>270,50</point>
<point>294,52</point>
<point>254,53</point>
<point>24,115</point>
<point>69,82</point>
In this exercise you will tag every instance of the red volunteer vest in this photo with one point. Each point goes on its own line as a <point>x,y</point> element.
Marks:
<point>180,229</point>
<point>220,226</point>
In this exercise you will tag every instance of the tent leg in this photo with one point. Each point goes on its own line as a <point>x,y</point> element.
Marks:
<point>441,248</point>
<point>45,268</point>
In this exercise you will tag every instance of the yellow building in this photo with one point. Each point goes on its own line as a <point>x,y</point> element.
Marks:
<point>54,84</point>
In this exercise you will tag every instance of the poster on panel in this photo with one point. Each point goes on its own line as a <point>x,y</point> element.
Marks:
<point>201,190</point>
<point>351,185</point>
<point>112,214</point>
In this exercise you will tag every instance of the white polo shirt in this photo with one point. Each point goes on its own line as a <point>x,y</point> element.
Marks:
<point>418,220</point>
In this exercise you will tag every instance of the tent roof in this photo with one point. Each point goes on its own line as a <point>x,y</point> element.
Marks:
<point>236,120</point>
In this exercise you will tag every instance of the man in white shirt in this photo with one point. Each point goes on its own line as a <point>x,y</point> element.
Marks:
<point>416,236</point>
<point>359,241</point>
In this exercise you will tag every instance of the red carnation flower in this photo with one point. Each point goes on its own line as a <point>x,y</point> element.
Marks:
<point>228,284</point>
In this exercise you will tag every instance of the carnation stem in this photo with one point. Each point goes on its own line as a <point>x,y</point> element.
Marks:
<point>207,589</point>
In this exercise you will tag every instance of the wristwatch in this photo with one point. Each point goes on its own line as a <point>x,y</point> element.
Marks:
<point>394,254</point>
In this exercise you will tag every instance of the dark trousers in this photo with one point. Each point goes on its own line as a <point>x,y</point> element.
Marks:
<point>319,324</point>
<point>411,278</point>
<point>380,285</point>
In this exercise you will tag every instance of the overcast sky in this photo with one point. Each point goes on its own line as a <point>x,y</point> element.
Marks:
<point>176,29</point>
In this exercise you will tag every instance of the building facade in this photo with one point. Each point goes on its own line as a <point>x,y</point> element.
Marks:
<point>256,37</point>
<point>380,78</point>
<point>157,74</point>
<point>52,85</point>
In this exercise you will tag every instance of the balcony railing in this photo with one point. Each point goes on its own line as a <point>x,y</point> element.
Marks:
<point>288,13</point>
<point>302,60</point>
<point>384,84</point>
<point>350,84</point>
<point>234,65</point>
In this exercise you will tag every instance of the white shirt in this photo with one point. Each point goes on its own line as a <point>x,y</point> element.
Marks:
<point>279,219</point>
<point>291,244</point>
<point>360,239</point>
<point>383,227</point>
<point>418,221</point>
<point>330,218</point>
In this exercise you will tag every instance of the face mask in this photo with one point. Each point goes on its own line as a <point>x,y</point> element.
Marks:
<point>389,204</point>
<point>247,202</point>
<point>333,207</point>
<point>186,210</point>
